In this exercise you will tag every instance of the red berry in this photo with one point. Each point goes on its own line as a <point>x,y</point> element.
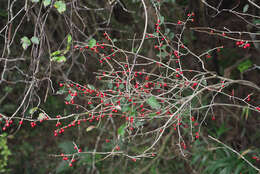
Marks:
<point>117,148</point>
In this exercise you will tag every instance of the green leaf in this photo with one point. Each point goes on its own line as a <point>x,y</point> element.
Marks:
<point>167,31</point>
<point>204,82</point>
<point>34,1</point>
<point>60,6</point>
<point>61,91</point>
<point>92,43</point>
<point>138,124</point>
<point>164,47</point>
<point>59,59</point>
<point>245,8</point>
<point>90,128</point>
<point>126,108</point>
<point>155,34</point>
<point>56,53</point>
<point>171,35</point>
<point>68,98</point>
<point>121,130</point>
<point>69,39</point>
<point>32,110</point>
<point>68,42</point>
<point>114,40</point>
<point>256,21</point>
<point>110,85</point>
<point>245,65</point>
<point>8,89</point>
<point>245,112</point>
<point>91,87</point>
<point>152,114</point>
<point>35,40</point>
<point>153,103</point>
<point>153,169</point>
<point>25,42</point>
<point>41,116</point>
<point>239,168</point>
<point>46,3</point>
<point>121,86</point>
<point>161,19</point>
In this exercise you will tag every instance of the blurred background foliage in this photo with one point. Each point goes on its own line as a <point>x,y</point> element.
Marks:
<point>24,151</point>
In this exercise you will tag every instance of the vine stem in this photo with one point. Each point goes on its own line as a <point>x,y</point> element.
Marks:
<point>240,156</point>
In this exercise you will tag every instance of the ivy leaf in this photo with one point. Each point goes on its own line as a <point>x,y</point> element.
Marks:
<point>55,53</point>
<point>110,85</point>
<point>245,65</point>
<point>35,40</point>
<point>121,130</point>
<point>245,8</point>
<point>161,19</point>
<point>171,35</point>
<point>245,112</point>
<point>90,128</point>
<point>204,81</point>
<point>121,86</point>
<point>91,87</point>
<point>68,98</point>
<point>68,42</point>
<point>256,21</point>
<point>167,31</point>
<point>61,91</point>
<point>92,43</point>
<point>32,110</point>
<point>41,116</point>
<point>46,3</point>
<point>153,103</point>
<point>59,59</point>
<point>126,108</point>
<point>60,6</point>
<point>7,89</point>
<point>155,34</point>
<point>69,39</point>
<point>25,42</point>
<point>152,114</point>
